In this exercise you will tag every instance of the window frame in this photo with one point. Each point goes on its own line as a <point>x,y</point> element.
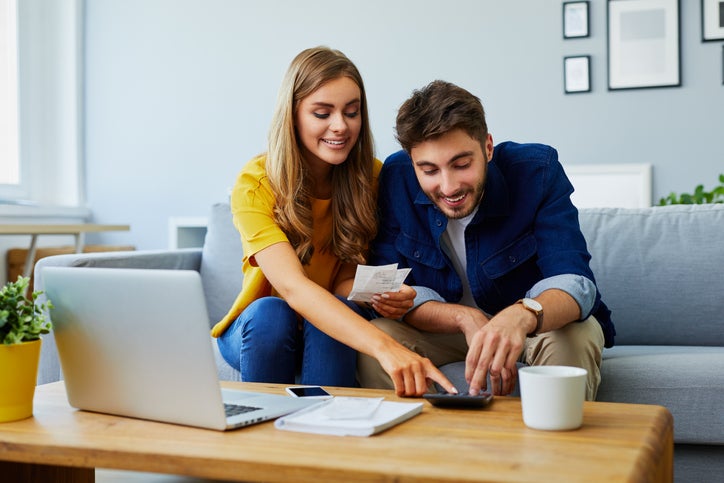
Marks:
<point>9,107</point>
<point>50,110</point>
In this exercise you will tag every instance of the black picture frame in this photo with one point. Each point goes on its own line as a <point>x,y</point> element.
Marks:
<point>576,20</point>
<point>576,74</point>
<point>644,44</point>
<point>712,20</point>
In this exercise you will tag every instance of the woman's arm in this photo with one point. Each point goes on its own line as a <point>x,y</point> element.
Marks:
<point>409,371</point>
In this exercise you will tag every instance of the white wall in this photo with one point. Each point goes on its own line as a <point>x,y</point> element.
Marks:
<point>179,93</point>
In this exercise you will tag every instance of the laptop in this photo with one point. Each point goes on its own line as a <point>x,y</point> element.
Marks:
<point>136,343</point>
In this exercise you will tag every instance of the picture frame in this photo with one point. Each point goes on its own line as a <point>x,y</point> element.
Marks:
<point>576,22</point>
<point>576,74</point>
<point>712,20</point>
<point>644,44</point>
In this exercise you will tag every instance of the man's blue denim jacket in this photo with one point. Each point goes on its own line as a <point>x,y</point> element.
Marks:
<point>526,230</point>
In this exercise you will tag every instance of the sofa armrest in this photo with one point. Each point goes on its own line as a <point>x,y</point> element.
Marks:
<point>187,259</point>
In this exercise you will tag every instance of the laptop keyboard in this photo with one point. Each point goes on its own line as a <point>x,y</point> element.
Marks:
<point>234,409</point>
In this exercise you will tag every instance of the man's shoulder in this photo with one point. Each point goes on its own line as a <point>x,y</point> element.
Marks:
<point>398,165</point>
<point>510,152</point>
<point>399,158</point>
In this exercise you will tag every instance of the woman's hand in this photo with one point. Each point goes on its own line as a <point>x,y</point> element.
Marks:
<point>394,305</point>
<point>411,373</point>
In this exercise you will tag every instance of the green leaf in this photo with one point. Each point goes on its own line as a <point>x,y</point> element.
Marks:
<point>699,196</point>
<point>21,318</point>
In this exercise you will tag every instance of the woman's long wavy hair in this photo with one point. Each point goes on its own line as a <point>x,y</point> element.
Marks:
<point>353,198</point>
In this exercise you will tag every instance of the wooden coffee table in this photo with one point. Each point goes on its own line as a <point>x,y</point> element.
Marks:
<point>618,442</point>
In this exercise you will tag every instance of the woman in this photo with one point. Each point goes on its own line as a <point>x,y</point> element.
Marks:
<point>306,212</point>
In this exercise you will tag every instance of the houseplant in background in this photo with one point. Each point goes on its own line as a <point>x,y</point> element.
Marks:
<point>22,321</point>
<point>698,197</point>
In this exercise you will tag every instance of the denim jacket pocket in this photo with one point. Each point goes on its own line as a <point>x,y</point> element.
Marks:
<point>511,257</point>
<point>416,252</point>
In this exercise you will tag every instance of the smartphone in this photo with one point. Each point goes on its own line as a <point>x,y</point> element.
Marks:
<point>316,392</point>
<point>465,400</point>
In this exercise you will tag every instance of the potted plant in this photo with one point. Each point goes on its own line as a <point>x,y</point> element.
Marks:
<point>698,197</point>
<point>22,321</point>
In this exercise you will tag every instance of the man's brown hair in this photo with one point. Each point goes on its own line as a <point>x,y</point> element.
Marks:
<point>436,109</point>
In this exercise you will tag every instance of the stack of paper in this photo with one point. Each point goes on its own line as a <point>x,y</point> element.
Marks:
<point>349,416</point>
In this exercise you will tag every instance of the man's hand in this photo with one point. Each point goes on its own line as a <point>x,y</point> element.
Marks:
<point>394,305</point>
<point>495,349</point>
<point>469,321</point>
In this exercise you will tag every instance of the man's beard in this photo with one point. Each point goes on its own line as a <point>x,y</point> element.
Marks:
<point>456,213</point>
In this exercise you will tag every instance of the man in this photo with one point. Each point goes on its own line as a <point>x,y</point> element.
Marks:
<point>497,256</point>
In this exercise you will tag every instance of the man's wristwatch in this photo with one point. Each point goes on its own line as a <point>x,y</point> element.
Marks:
<point>537,309</point>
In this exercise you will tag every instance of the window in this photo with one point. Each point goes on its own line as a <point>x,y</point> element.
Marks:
<point>42,127</point>
<point>9,162</point>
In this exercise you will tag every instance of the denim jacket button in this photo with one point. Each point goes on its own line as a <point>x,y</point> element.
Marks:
<point>438,222</point>
<point>512,259</point>
<point>416,254</point>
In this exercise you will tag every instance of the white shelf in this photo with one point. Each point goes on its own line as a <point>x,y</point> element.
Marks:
<point>186,232</point>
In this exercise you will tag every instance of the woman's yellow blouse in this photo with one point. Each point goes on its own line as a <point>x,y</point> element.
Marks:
<point>252,204</point>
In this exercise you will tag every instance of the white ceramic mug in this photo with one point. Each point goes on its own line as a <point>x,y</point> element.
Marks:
<point>552,396</point>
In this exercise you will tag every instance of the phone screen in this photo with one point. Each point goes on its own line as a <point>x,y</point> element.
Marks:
<point>308,391</point>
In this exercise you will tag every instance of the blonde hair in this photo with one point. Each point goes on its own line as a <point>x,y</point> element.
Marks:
<point>353,197</point>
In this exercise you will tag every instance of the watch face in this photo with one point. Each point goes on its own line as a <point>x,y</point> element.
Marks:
<point>533,304</point>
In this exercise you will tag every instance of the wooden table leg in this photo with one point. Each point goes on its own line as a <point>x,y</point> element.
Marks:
<point>31,472</point>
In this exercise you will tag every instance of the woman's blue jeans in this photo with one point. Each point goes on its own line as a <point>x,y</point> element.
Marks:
<point>269,342</point>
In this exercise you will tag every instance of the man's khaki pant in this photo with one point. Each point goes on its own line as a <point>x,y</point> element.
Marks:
<point>578,344</point>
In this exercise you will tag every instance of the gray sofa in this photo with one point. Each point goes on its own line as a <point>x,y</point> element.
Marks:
<point>660,270</point>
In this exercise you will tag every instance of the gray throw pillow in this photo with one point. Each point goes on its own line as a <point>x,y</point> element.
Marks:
<point>221,262</point>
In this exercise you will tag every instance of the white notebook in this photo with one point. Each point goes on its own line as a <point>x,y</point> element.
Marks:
<point>349,416</point>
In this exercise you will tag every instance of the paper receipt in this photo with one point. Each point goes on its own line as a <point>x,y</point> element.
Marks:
<point>370,280</point>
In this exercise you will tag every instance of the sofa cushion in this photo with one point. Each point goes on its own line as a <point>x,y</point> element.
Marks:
<point>688,381</point>
<point>221,262</point>
<point>659,270</point>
